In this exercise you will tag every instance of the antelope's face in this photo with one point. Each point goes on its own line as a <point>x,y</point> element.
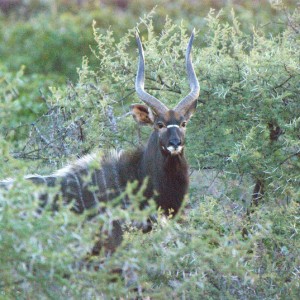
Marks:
<point>171,132</point>
<point>170,125</point>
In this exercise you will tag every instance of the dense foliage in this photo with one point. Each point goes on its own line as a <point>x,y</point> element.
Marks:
<point>237,236</point>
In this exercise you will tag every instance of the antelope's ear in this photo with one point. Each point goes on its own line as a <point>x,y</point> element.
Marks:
<point>142,114</point>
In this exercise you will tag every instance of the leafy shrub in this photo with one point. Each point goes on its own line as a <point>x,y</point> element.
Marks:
<point>52,43</point>
<point>23,100</point>
<point>52,37</point>
<point>246,129</point>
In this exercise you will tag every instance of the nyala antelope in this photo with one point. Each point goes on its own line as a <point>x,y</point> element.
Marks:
<point>161,161</point>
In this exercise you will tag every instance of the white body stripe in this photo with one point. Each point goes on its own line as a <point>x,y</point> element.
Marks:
<point>104,182</point>
<point>172,125</point>
<point>79,189</point>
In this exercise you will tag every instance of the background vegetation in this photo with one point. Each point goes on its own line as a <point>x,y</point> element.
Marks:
<point>66,84</point>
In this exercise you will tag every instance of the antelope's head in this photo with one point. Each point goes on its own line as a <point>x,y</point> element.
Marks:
<point>170,124</point>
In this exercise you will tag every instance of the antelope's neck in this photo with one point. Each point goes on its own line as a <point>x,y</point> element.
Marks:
<point>159,163</point>
<point>168,177</point>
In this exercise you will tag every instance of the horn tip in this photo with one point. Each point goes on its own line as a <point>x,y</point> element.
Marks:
<point>193,34</point>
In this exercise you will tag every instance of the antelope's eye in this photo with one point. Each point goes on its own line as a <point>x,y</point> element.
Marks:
<point>160,125</point>
<point>183,124</point>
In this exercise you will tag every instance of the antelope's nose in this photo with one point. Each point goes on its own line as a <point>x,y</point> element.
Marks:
<point>175,143</point>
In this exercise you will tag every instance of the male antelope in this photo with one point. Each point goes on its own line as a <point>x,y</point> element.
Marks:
<point>162,160</point>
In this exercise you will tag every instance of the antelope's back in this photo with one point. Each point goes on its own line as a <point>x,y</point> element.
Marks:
<point>87,181</point>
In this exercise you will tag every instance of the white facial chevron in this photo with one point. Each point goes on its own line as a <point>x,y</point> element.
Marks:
<point>175,151</point>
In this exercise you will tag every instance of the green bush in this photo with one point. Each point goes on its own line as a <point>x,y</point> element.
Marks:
<point>246,129</point>
<point>47,45</point>
<point>23,100</point>
<point>52,37</point>
<point>52,43</point>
